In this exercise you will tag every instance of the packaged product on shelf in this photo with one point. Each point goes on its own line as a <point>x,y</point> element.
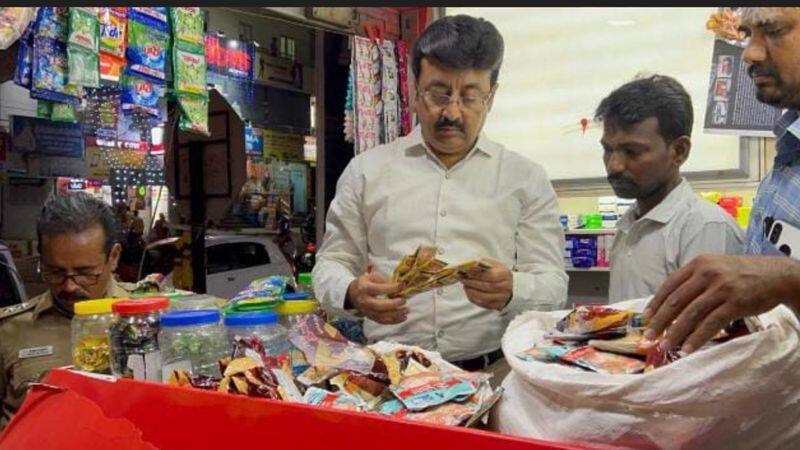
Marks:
<point>189,69</point>
<point>148,43</point>
<point>24,67</point>
<point>113,30</point>
<point>49,76</point>
<point>52,22</point>
<point>194,114</point>
<point>187,24</point>
<point>63,112</point>
<point>84,28</point>
<point>84,66</point>
<point>157,13</point>
<point>139,93</point>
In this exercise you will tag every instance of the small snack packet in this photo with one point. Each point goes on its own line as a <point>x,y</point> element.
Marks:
<point>24,68</point>
<point>49,76</point>
<point>634,343</point>
<point>426,389</point>
<point>63,112</point>
<point>316,375</point>
<point>148,41</point>
<point>190,71</point>
<point>84,28</point>
<point>84,66</point>
<point>139,93</point>
<point>603,362</point>
<point>593,318</point>
<point>339,400</point>
<point>545,351</point>
<point>113,30</point>
<point>52,22</point>
<point>187,24</point>
<point>194,114</point>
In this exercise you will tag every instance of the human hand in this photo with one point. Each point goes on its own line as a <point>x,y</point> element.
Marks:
<point>367,295</point>
<point>711,291</point>
<point>489,288</point>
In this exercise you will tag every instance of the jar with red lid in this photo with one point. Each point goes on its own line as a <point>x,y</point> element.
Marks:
<point>134,338</point>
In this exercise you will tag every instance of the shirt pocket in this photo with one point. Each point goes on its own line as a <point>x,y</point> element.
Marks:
<point>28,370</point>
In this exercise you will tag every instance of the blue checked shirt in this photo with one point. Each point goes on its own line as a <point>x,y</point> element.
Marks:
<point>778,195</point>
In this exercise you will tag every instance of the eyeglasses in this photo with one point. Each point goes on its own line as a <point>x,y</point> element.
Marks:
<point>474,103</point>
<point>59,277</point>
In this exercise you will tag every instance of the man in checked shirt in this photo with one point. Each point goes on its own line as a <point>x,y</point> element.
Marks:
<point>711,291</point>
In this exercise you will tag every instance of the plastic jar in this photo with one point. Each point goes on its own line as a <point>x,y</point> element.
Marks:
<point>89,335</point>
<point>290,313</point>
<point>247,331</point>
<point>193,341</point>
<point>134,338</point>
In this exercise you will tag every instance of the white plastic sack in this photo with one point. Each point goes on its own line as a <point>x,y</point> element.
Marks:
<point>744,393</point>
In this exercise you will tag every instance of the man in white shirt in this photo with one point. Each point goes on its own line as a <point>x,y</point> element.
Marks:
<point>448,185</point>
<point>647,124</point>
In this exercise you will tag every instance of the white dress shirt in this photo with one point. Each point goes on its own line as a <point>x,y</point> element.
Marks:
<point>493,203</point>
<point>647,250</point>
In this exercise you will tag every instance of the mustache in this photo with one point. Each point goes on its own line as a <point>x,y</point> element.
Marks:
<point>756,70</point>
<point>447,123</point>
<point>617,177</point>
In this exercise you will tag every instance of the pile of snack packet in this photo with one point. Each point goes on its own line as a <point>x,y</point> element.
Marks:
<point>328,368</point>
<point>611,341</point>
<point>422,271</point>
<point>383,378</point>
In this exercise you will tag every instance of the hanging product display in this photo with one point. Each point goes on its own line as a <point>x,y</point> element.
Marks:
<point>138,93</point>
<point>194,113</point>
<point>82,46</point>
<point>366,116</point>
<point>49,76</point>
<point>52,23</point>
<point>190,70</point>
<point>102,112</point>
<point>84,66</point>
<point>148,41</point>
<point>113,34</point>
<point>187,25</point>
<point>22,72</point>
<point>405,100</point>
<point>391,109</point>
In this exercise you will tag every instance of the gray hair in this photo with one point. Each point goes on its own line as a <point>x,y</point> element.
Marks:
<point>75,213</point>
<point>758,15</point>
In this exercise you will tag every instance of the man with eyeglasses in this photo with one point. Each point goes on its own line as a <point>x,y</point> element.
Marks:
<point>449,185</point>
<point>704,296</point>
<point>76,235</point>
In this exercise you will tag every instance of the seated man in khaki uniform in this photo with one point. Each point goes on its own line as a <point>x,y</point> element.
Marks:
<point>78,251</point>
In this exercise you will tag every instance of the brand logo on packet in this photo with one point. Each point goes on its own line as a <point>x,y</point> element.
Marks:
<point>152,51</point>
<point>143,89</point>
<point>111,31</point>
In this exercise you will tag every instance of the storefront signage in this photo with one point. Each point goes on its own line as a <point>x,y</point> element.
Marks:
<point>253,141</point>
<point>285,146</point>
<point>44,137</point>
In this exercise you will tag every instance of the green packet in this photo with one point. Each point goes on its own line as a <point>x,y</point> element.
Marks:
<point>83,66</point>
<point>44,109</point>
<point>84,28</point>
<point>189,70</point>
<point>187,24</point>
<point>194,114</point>
<point>63,112</point>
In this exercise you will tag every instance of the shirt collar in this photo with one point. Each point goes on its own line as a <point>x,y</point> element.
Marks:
<point>662,212</point>
<point>484,144</point>
<point>784,122</point>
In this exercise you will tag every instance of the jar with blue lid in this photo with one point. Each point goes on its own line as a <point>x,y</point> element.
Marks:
<point>259,335</point>
<point>192,341</point>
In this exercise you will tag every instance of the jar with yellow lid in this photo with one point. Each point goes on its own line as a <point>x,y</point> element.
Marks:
<point>291,312</point>
<point>89,335</point>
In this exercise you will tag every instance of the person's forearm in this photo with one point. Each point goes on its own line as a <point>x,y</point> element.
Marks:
<point>788,286</point>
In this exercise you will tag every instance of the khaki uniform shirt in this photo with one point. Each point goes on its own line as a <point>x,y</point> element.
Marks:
<point>34,338</point>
